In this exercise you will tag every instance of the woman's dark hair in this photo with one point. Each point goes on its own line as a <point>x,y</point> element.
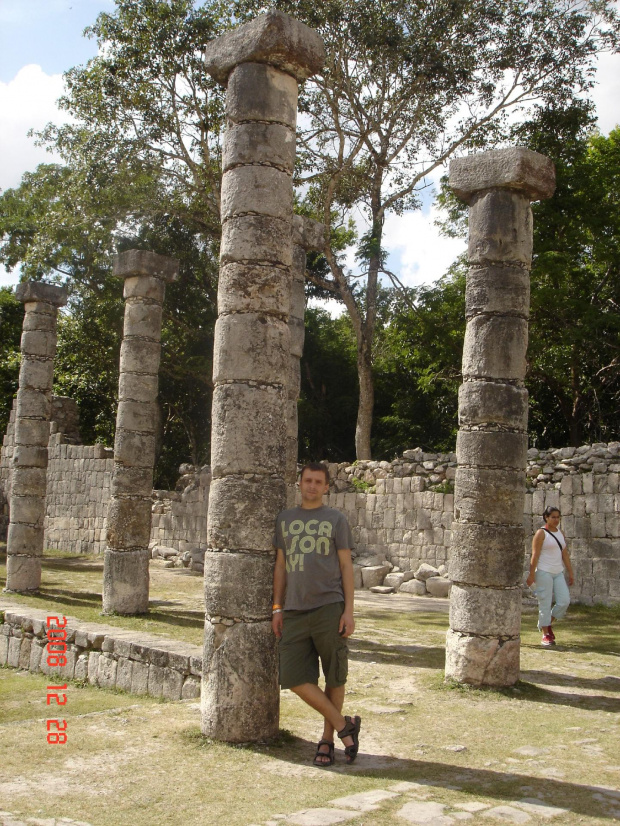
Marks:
<point>316,466</point>
<point>548,511</point>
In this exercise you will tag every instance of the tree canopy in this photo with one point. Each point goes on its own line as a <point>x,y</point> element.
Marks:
<point>406,86</point>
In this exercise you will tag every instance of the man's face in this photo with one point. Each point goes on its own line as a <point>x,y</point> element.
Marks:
<point>312,486</point>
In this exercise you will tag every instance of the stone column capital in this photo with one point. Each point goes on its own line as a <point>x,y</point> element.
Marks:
<point>134,263</point>
<point>40,292</point>
<point>273,38</point>
<point>308,233</point>
<point>514,168</point>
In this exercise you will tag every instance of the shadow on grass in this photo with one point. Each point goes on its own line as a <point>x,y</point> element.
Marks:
<point>607,683</point>
<point>531,691</point>
<point>505,786</point>
<point>414,656</point>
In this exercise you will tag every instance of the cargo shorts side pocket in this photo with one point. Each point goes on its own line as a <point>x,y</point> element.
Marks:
<point>342,664</point>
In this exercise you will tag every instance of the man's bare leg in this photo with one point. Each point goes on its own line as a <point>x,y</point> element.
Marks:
<point>336,698</point>
<point>328,703</point>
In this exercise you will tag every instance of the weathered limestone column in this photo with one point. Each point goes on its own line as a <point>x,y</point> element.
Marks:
<point>34,401</point>
<point>486,561</point>
<point>307,235</point>
<point>260,63</point>
<point>128,528</point>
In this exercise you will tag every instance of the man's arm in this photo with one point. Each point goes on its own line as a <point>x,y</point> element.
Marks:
<point>347,623</point>
<point>279,590</point>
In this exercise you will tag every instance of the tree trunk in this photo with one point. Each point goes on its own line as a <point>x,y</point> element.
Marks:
<point>574,426</point>
<point>367,399</point>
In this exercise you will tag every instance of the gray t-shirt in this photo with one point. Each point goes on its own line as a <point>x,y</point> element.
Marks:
<point>311,539</point>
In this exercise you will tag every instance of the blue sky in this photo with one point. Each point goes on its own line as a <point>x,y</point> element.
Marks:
<point>40,39</point>
<point>46,32</point>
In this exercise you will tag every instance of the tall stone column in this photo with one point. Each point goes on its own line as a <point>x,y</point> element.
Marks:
<point>307,235</point>
<point>34,401</point>
<point>486,561</point>
<point>128,528</point>
<point>260,63</point>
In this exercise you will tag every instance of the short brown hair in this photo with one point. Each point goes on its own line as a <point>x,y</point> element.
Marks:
<point>316,466</point>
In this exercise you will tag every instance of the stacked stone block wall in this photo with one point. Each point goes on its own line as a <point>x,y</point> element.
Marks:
<point>180,517</point>
<point>400,516</point>
<point>78,491</point>
<point>104,656</point>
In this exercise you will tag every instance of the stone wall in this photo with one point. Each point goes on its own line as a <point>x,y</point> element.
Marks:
<point>78,483</point>
<point>180,516</point>
<point>78,491</point>
<point>407,519</point>
<point>108,657</point>
<point>400,511</point>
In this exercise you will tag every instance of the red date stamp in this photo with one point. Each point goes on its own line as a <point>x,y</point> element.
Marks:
<point>56,657</point>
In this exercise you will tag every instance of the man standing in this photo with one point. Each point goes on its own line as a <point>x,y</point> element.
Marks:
<point>313,608</point>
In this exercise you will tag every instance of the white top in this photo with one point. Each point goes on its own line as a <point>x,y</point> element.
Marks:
<point>550,558</point>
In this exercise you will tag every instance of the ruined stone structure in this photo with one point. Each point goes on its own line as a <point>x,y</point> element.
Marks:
<point>261,64</point>
<point>486,560</point>
<point>307,235</point>
<point>128,531</point>
<point>29,461</point>
<point>401,511</point>
<point>102,655</point>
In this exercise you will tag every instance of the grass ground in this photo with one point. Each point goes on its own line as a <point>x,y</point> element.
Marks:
<point>555,737</point>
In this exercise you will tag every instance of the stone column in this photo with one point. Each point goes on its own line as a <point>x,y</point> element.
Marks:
<point>307,235</point>
<point>260,63</point>
<point>486,561</point>
<point>34,401</point>
<point>128,528</point>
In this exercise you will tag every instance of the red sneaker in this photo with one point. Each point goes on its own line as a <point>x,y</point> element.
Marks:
<point>551,634</point>
<point>547,641</point>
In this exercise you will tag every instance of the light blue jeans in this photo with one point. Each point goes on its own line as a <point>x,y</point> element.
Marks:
<point>548,587</point>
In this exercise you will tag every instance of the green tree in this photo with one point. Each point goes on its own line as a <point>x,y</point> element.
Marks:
<point>573,374</point>
<point>574,354</point>
<point>141,169</point>
<point>11,320</point>
<point>329,392</point>
<point>405,87</point>
<point>45,230</point>
<point>418,368</point>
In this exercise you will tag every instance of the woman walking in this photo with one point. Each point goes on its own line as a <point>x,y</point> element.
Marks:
<point>549,560</point>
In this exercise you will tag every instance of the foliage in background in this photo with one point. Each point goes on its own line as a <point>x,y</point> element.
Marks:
<point>418,368</point>
<point>329,390</point>
<point>11,320</point>
<point>142,169</point>
<point>573,374</point>
<point>406,85</point>
<point>574,353</point>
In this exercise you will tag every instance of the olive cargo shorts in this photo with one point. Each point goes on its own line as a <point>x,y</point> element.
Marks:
<point>308,636</point>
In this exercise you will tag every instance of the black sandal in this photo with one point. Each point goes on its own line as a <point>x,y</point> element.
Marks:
<point>327,758</point>
<point>351,729</point>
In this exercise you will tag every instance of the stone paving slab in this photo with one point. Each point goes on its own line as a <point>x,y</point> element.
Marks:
<point>418,809</point>
<point>133,661</point>
<point>9,819</point>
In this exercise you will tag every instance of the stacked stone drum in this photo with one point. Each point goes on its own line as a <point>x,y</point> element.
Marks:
<point>261,64</point>
<point>486,562</point>
<point>128,528</point>
<point>34,401</point>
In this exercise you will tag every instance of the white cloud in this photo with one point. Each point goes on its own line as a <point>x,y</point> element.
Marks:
<point>423,255</point>
<point>606,93</point>
<point>26,102</point>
